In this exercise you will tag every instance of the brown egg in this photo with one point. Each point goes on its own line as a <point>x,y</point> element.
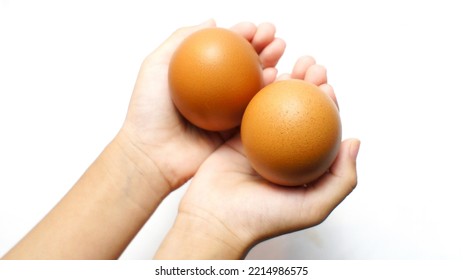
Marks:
<point>291,132</point>
<point>213,75</point>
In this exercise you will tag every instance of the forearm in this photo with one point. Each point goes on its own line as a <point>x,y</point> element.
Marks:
<point>102,212</point>
<point>196,238</point>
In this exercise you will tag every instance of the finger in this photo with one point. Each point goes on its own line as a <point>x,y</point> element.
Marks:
<point>344,165</point>
<point>316,74</point>
<point>245,29</point>
<point>269,75</point>
<point>264,35</point>
<point>301,66</point>
<point>328,89</point>
<point>338,183</point>
<point>272,53</point>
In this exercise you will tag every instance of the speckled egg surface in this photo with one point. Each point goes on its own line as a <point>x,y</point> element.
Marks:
<point>213,75</point>
<point>291,132</point>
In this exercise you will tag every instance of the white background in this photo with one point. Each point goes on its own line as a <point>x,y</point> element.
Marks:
<point>67,72</point>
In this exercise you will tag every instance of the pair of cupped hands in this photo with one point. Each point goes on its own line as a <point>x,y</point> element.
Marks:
<point>227,205</point>
<point>227,208</point>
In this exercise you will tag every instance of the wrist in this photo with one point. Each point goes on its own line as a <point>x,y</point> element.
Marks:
<point>162,157</point>
<point>141,179</point>
<point>194,237</point>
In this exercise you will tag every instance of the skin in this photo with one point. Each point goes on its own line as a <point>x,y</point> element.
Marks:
<point>155,152</point>
<point>229,208</point>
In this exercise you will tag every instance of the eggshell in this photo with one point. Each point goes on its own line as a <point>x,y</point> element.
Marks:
<point>291,132</point>
<point>213,75</point>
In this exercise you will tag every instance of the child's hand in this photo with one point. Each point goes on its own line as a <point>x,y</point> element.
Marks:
<point>155,152</point>
<point>155,130</point>
<point>228,207</point>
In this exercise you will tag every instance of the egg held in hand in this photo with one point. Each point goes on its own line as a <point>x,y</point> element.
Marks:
<point>291,132</point>
<point>213,75</point>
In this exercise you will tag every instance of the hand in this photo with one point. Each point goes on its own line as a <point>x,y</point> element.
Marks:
<point>228,207</point>
<point>153,128</point>
<point>154,153</point>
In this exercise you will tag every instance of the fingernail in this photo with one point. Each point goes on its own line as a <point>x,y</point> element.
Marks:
<point>354,148</point>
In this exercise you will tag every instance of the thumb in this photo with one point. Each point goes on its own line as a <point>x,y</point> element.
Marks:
<point>339,182</point>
